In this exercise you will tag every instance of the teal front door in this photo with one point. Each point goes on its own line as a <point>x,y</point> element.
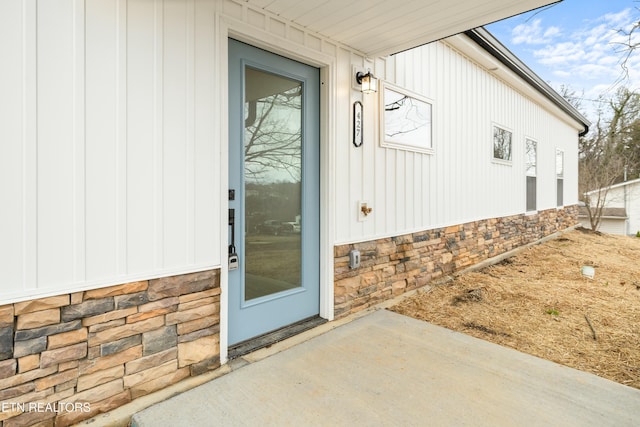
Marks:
<point>274,168</point>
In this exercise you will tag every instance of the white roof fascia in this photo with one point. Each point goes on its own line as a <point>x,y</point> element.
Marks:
<point>504,62</point>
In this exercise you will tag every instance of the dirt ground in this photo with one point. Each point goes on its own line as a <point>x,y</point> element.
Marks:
<point>540,303</point>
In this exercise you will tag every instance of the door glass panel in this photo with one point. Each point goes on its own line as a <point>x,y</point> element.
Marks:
<point>273,174</point>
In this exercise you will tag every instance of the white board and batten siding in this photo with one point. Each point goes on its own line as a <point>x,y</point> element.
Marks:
<point>459,181</point>
<point>624,195</point>
<point>109,160</point>
<point>113,141</point>
<point>610,225</point>
<point>633,209</point>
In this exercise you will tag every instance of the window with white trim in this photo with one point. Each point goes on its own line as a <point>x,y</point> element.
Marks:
<point>559,177</point>
<point>531,153</point>
<point>502,143</point>
<point>405,119</point>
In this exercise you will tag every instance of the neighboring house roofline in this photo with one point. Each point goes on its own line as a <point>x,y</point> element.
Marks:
<point>618,185</point>
<point>499,51</point>
<point>608,213</point>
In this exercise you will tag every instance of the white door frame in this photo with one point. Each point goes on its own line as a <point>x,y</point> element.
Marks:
<point>327,64</point>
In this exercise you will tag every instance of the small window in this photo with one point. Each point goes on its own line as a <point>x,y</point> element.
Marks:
<point>531,152</point>
<point>531,149</point>
<point>405,119</point>
<point>560,177</point>
<point>502,143</point>
<point>532,187</point>
<point>559,163</point>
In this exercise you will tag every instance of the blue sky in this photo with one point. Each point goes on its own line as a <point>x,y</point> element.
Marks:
<point>575,43</point>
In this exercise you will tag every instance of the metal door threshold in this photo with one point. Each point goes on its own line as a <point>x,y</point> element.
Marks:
<point>273,337</point>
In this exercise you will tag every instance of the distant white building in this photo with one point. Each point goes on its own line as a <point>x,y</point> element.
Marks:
<point>621,213</point>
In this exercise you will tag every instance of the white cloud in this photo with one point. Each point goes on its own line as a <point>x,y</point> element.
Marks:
<point>559,54</point>
<point>599,89</point>
<point>591,53</point>
<point>609,60</point>
<point>562,74</point>
<point>583,55</point>
<point>551,32</point>
<point>621,18</point>
<point>533,33</point>
<point>596,72</point>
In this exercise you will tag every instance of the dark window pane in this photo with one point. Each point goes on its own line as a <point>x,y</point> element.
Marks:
<point>560,192</point>
<point>531,193</point>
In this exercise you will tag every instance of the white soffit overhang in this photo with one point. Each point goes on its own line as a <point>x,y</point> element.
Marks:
<point>383,27</point>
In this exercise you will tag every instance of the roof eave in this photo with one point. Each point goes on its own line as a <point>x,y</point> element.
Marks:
<point>490,44</point>
<point>611,187</point>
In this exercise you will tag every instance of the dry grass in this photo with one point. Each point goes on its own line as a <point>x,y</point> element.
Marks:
<point>539,303</point>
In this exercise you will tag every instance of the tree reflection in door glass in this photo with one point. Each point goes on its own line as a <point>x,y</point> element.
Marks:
<point>273,173</point>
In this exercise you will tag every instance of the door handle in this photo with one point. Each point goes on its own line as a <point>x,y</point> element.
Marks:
<point>232,224</point>
<point>233,256</point>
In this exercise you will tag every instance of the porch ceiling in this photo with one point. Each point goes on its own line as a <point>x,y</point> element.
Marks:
<point>384,27</point>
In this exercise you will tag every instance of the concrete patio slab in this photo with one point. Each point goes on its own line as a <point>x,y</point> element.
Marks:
<point>388,369</point>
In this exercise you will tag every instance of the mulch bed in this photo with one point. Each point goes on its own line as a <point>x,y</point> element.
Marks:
<point>539,302</point>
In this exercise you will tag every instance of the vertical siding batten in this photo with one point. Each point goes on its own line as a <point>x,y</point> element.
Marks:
<point>208,180</point>
<point>158,135</point>
<point>79,142</point>
<point>121,168</point>
<point>379,178</point>
<point>190,227</point>
<point>343,152</point>
<point>329,132</point>
<point>355,164</point>
<point>13,160</point>
<point>100,202</point>
<point>457,174</point>
<point>220,102</point>
<point>55,154</point>
<point>30,146</point>
<point>367,166</point>
<point>175,146</point>
<point>141,192</point>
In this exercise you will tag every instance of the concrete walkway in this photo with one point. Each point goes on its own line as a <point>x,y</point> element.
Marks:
<point>385,369</point>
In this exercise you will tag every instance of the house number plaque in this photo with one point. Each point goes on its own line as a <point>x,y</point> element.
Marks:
<point>357,124</point>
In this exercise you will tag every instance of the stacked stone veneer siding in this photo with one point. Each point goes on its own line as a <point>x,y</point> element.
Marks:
<point>105,347</point>
<point>394,265</point>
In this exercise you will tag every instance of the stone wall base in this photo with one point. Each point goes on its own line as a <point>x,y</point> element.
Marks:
<point>394,265</point>
<point>70,357</point>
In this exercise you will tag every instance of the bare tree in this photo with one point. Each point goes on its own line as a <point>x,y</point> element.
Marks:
<point>630,43</point>
<point>605,154</point>
<point>598,173</point>
<point>273,136</point>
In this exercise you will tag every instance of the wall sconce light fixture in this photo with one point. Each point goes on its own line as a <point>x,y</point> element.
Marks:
<point>368,81</point>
